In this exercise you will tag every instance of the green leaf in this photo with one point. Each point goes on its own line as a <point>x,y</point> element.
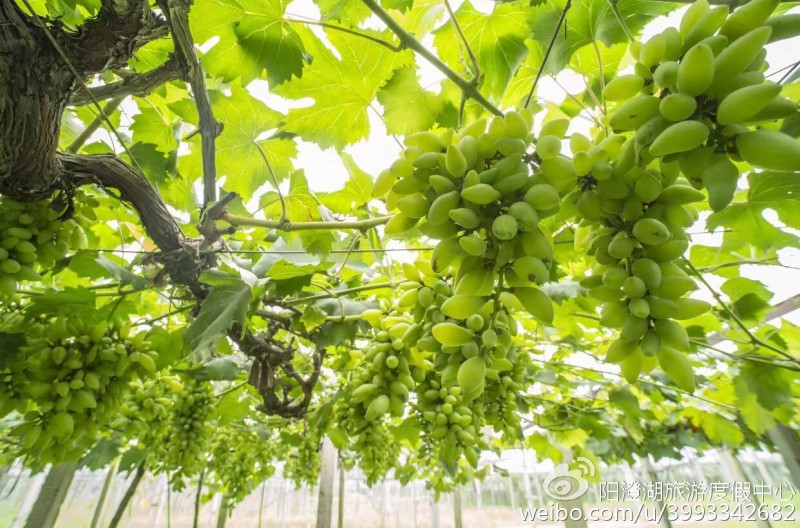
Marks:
<point>749,229</point>
<point>102,454</point>
<point>244,118</point>
<point>124,276</point>
<point>772,386</point>
<point>756,417</point>
<point>719,429</point>
<point>587,21</point>
<point>131,459</point>
<point>407,106</point>
<point>69,301</point>
<point>220,369</point>
<point>154,125</point>
<point>352,11</point>
<point>225,305</point>
<point>169,346</point>
<point>312,317</point>
<point>342,89</point>
<point>253,37</point>
<point>497,40</point>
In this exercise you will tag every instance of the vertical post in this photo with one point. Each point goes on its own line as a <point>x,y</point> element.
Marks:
<point>282,505</point>
<point>435,513</point>
<point>414,501</point>
<point>538,483</point>
<point>197,496</point>
<point>162,495</point>
<point>54,490</point>
<point>222,514</point>
<point>526,477</point>
<point>478,499</point>
<point>112,471</point>
<point>651,473</point>
<point>736,472</point>
<point>458,521</point>
<point>763,471</point>
<point>340,520</point>
<point>126,499</point>
<point>573,504</point>
<point>32,493</point>
<point>326,477</point>
<point>169,504</point>
<point>788,445</point>
<point>261,503</point>
<point>511,492</point>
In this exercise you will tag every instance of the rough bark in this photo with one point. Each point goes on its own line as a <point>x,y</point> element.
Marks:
<point>36,83</point>
<point>180,255</point>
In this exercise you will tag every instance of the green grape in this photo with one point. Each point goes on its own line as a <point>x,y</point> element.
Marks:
<point>68,381</point>
<point>240,458</point>
<point>32,237</point>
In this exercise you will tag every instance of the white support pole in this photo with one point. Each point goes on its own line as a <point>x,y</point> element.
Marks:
<point>435,523</point>
<point>326,478</point>
<point>737,474</point>
<point>788,445</point>
<point>458,521</point>
<point>653,476</point>
<point>37,481</point>
<point>52,494</point>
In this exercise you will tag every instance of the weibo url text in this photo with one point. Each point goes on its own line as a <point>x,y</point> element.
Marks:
<point>655,514</point>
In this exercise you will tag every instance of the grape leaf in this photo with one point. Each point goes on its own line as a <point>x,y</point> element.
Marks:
<point>767,190</point>
<point>587,21</point>
<point>497,40</point>
<point>253,36</point>
<point>772,386</point>
<point>342,89</point>
<point>352,11</point>
<point>407,106</point>
<point>244,119</point>
<point>225,305</point>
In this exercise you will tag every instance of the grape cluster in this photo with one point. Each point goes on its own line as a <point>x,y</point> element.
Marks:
<point>302,458</point>
<point>380,386</point>
<point>465,366</point>
<point>31,238</point>
<point>371,444</point>
<point>171,418</point>
<point>687,114</point>
<point>241,458</point>
<point>698,96</point>
<point>68,381</point>
<point>473,191</point>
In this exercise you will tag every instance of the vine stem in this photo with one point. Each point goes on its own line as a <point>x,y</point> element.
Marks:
<point>476,70</point>
<point>195,522</point>
<point>177,13</point>
<point>231,389</point>
<point>304,226</point>
<point>340,293</point>
<point>753,339</point>
<point>109,108</point>
<point>548,51</point>
<point>343,29</point>
<point>407,40</point>
<point>614,9</point>
<point>274,180</point>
